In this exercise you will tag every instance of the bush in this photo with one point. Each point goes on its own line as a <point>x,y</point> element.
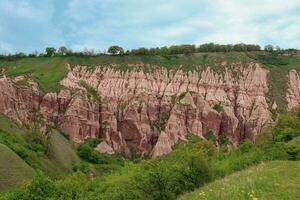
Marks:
<point>246,146</point>
<point>293,152</point>
<point>87,152</point>
<point>73,187</point>
<point>223,139</point>
<point>38,142</point>
<point>193,173</point>
<point>40,188</point>
<point>218,107</point>
<point>210,136</point>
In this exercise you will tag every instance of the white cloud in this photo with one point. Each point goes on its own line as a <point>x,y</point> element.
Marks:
<point>134,23</point>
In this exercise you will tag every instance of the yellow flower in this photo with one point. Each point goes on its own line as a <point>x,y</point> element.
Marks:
<point>254,198</point>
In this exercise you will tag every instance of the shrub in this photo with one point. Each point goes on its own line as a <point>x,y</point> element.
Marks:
<point>194,172</point>
<point>285,135</point>
<point>38,142</point>
<point>40,188</point>
<point>210,136</point>
<point>218,107</point>
<point>223,139</point>
<point>293,150</point>
<point>246,146</point>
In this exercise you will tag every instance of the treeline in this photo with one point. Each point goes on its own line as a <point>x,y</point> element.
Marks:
<point>185,49</point>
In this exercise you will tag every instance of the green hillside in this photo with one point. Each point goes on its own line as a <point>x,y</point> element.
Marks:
<point>271,180</point>
<point>36,149</point>
<point>13,170</point>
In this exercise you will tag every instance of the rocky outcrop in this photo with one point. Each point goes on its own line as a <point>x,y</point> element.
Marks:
<point>146,113</point>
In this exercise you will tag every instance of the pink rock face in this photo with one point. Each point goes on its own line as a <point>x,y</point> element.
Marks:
<point>293,94</point>
<point>147,113</point>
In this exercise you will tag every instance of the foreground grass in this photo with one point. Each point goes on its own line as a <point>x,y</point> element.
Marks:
<point>272,180</point>
<point>13,170</point>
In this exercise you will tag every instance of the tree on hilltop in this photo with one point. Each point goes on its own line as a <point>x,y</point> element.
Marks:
<point>50,51</point>
<point>115,50</point>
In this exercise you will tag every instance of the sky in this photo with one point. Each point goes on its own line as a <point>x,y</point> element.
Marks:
<point>29,25</point>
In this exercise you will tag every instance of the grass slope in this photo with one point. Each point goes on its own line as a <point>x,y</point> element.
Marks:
<point>272,180</point>
<point>62,152</point>
<point>13,170</point>
<point>14,136</point>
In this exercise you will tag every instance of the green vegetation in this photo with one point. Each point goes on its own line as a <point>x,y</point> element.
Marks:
<point>192,164</point>
<point>13,170</point>
<point>86,150</point>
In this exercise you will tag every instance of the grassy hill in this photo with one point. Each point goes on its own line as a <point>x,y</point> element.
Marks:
<point>13,170</point>
<point>272,180</point>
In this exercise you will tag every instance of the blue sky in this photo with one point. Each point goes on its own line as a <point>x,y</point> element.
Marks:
<point>28,25</point>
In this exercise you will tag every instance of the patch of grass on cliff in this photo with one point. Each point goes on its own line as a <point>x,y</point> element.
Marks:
<point>13,170</point>
<point>279,65</point>
<point>47,72</point>
<point>271,180</point>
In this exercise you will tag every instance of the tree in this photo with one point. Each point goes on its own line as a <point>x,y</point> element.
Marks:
<point>269,48</point>
<point>50,51</point>
<point>277,48</point>
<point>115,50</point>
<point>62,51</point>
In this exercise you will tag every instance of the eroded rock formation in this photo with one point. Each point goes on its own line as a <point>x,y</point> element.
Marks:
<point>146,113</point>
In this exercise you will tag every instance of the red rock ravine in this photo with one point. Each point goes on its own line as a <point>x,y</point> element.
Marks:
<point>147,113</point>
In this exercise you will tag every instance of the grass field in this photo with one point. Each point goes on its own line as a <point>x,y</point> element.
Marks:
<point>13,170</point>
<point>276,180</point>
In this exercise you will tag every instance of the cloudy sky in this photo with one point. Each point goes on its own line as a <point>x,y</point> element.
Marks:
<point>28,25</point>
